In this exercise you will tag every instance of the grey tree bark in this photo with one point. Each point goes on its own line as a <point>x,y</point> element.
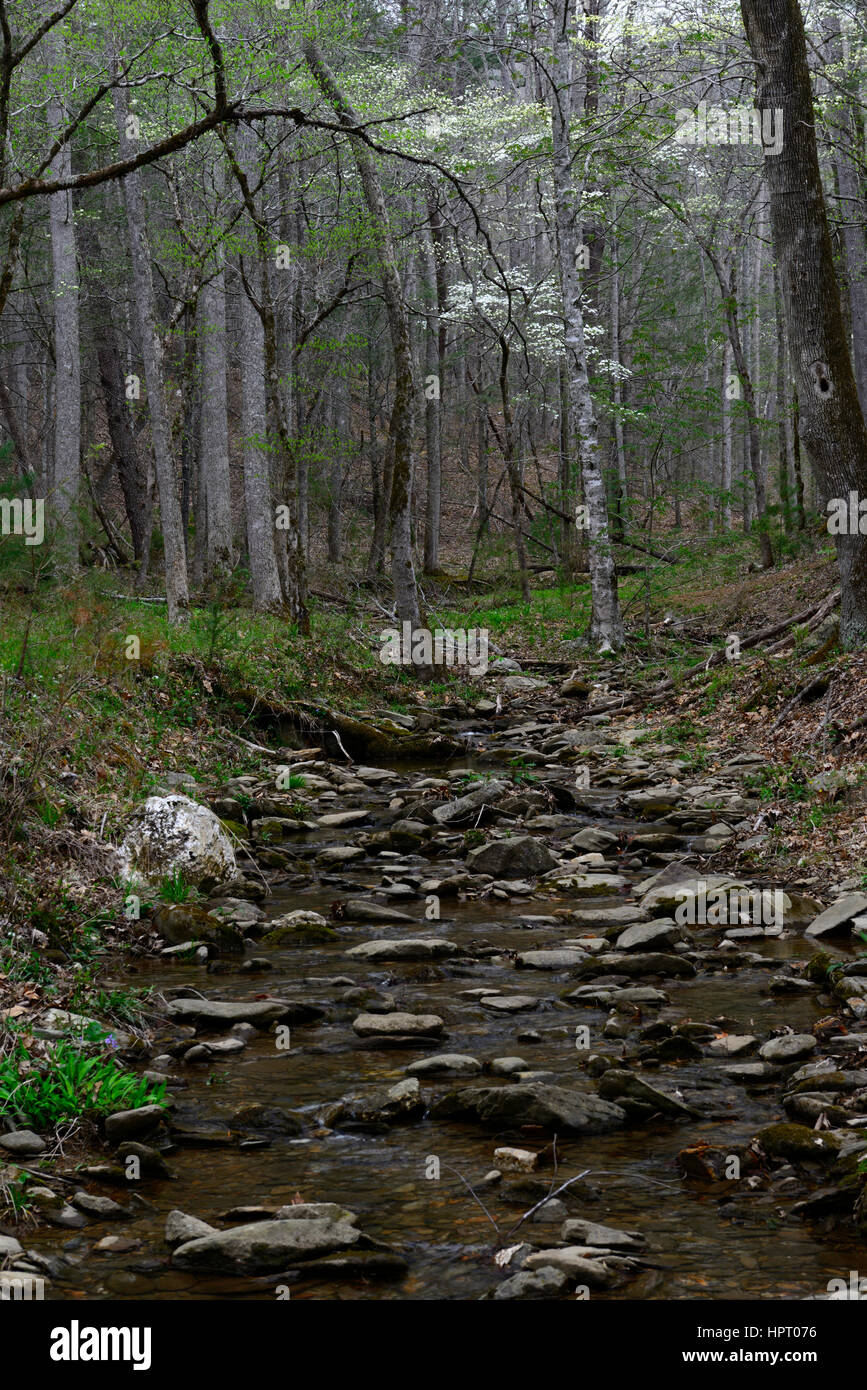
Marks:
<point>606,623</point>
<point>150,342</point>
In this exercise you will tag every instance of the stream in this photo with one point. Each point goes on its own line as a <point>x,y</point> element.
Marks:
<point>705,1240</point>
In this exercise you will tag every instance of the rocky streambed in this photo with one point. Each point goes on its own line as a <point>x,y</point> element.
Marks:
<point>443,1032</point>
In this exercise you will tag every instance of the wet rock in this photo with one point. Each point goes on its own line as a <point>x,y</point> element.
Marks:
<point>22,1143</point>
<point>507,1066</point>
<point>608,1237</point>
<point>216,1014</point>
<point>509,1003</point>
<point>798,1143</point>
<point>268,1119</point>
<point>179,923</point>
<point>538,1283</point>
<point>625,1085</point>
<point>657,935</point>
<point>264,1247</point>
<point>150,1160</point>
<point>791,1047</point>
<point>511,1106</point>
<point>409,948</point>
<point>399,1104</point>
<point>511,858</point>
<point>132,1124</point>
<point>552,959</point>
<point>588,885</point>
<point>838,916</point>
<point>385,1025</point>
<point>181,1228</point>
<point>626,916</point>
<point>173,834</point>
<point>340,818</point>
<point>445,1064</point>
<point>516,1160</point>
<point>101,1208</point>
<point>54,1210</point>
<point>636,964</point>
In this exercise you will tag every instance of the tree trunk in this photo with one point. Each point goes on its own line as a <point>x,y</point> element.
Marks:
<point>832,425</point>
<point>401,423</point>
<point>175,554</point>
<point>66,471</point>
<point>214,471</point>
<point>606,624</point>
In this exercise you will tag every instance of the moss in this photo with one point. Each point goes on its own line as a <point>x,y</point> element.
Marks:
<point>299,931</point>
<point>798,1143</point>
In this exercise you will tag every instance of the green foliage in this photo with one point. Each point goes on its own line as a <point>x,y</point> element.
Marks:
<point>69,1085</point>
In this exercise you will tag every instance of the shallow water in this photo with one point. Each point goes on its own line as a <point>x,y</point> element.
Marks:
<point>702,1244</point>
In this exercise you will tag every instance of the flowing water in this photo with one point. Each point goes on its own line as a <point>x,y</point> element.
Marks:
<point>704,1242</point>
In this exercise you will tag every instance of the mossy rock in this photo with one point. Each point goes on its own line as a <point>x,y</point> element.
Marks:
<point>180,922</point>
<point>296,932</point>
<point>798,1143</point>
<point>817,967</point>
<point>235,829</point>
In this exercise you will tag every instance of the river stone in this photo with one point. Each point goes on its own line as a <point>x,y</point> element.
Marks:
<point>838,916</point>
<point>661,933</point>
<point>216,1014</point>
<point>264,1247</point>
<point>509,1003</point>
<point>659,899</point>
<point>537,1283</point>
<point>340,854</point>
<point>799,1143</point>
<point>131,1124</point>
<point>388,1025</point>
<point>181,1228</point>
<point>172,834</point>
<point>556,959</point>
<point>179,923</point>
<point>617,1085</point>
<point>511,858</point>
<point>590,885</point>
<point>511,1106</point>
<point>22,1142</point>
<point>444,1064</point>
<point>608,1237</point>
<point>791,1047</point>
<point>10,1248</point>
<point>593,838</point>
<point>409,948</point>
<point>467,807</point>
<point>636,963</point>
<point>339,818</point>
<point>398,1104</point>
<point>101,1208</point>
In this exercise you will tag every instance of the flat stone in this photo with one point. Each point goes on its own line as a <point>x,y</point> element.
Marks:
<point>264,1247</point>
<point>409,948</point>
<point>338,818</point>
<point>513,1106</point>
<point>538,1283</point>
<point>791,1047</point>
<point>445,1064</point>
<point>574,1264</point>
<point>659,934</point>
<point>838,915</point>
<point>554,959</point>
<point>217,1014</point>
<point>385,1025</point>
<point>509,1003</point>
<point>609,1237</point>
